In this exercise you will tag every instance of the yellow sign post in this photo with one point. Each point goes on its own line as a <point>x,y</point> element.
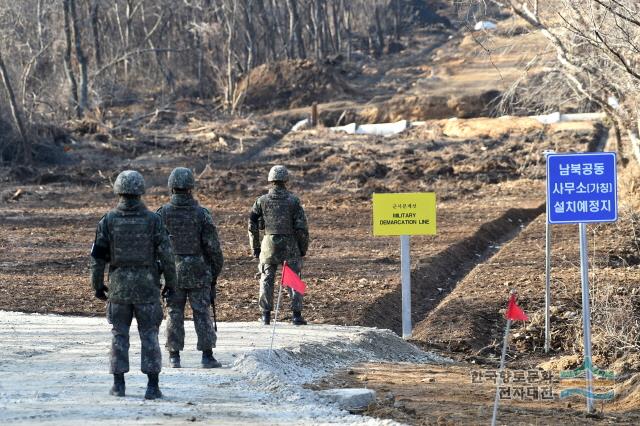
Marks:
<point>411,213</point>
<point>405,214</point>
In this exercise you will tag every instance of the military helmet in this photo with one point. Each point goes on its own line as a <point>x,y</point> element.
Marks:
<point>181,178</point>
<point>129,182</point>
<point>278,174</point>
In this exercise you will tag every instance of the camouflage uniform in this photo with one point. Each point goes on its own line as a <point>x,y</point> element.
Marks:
<point>199,260</point>
<point>135,244</point>
<point>286,238</point>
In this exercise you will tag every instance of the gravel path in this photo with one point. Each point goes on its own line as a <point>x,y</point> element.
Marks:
<point>54,370</point>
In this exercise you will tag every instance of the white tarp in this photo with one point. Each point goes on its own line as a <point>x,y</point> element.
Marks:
<point>552,118</point>
<point>300,125</point>
<point>349,128</point>
<point>383,129</point>
<point>379,129</point>
<point>613,102</point>
<point>485,25</point>
<point>556,117</point>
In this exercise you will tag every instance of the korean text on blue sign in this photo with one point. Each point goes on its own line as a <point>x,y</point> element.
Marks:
<point>582,188</point>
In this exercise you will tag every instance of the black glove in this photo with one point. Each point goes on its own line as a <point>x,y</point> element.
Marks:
<point>102,293</point>
<point>214,283</point>
<point>256,253</point>
<point>167,292</point>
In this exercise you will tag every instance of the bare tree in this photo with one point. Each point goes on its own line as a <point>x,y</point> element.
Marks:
<point>71,76</point>
<point>15,111</point>
<point>597,46</point>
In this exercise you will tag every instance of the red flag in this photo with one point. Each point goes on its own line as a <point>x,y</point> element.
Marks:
<point>291,279</point>
<point>515,312</point>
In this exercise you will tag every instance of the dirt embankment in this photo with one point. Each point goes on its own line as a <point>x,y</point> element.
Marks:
<point>292,84</point>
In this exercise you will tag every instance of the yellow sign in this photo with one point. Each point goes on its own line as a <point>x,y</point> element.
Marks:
<point>411,213</point>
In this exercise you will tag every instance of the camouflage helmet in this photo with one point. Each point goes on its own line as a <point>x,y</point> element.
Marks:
<point>129,182</point>
<point>181,178</point>
<point>278,174</point>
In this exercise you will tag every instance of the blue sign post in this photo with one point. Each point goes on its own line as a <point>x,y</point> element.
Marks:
<point>582,188</point>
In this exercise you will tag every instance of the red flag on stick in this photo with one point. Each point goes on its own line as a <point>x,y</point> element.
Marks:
<point>292,280</point>
<point>515,312</point>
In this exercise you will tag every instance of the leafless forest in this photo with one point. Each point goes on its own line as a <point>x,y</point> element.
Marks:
<point>73,58</point>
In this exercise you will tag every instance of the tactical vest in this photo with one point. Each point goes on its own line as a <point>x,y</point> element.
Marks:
<point>277,214</point>
<point>183,224</point>
<point>131,238</point>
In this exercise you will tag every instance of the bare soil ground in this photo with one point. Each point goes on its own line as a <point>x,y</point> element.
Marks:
<point>484,193</point>
<point>458,395</point>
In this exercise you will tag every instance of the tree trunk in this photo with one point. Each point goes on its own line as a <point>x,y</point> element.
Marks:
<point>396,19</point>
<point>82,60</point>
<point>249,35</point>
<point>40,26</point>
<point>15,113</point>
<point>67,60</point>
<point>349,37</point>
<point>269,38</point>
<point>95,21</point>
<point>337,38</point>
<point>295,30</point>
<point>379,33</point>
<point>317,29</point>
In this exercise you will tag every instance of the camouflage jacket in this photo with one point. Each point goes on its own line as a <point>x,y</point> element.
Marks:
<point>286,236</point>
<point>139,281</point>
<point>195,241</point>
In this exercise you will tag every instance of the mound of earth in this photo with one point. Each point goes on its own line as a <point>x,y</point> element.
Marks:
<point>292,84</point>
<point>432,107</point>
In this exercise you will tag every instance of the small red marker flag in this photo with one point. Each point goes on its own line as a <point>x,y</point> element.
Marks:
<point>515,312</point>
<point>291,279</point>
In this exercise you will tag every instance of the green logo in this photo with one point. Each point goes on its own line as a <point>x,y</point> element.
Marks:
<point>581,373</point>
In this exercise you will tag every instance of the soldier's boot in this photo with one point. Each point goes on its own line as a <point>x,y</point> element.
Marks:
<point>118,385</point>
<point>174,359</point>
<point>153,387</point>
<point>297,318</point>
<point>208,360</point>
<point>266,317</point>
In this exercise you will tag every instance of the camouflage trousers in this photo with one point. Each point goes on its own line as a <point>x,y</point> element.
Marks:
<point>267,280</point>
<point>149,317</point>
<point>200,301</point>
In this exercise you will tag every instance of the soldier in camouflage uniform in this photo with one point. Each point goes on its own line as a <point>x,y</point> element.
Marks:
<point>198,262</point>
<point>135,244</point>
<point>286,238</point>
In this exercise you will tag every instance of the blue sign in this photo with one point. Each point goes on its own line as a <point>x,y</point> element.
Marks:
<point>582,188</point>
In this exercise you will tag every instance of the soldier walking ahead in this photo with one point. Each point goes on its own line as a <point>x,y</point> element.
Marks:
<point>198,262</point>
<point>135,244</point>
<point>286,238</point>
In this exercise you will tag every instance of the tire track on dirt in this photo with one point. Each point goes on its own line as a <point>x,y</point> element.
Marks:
<point>254,152</point>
